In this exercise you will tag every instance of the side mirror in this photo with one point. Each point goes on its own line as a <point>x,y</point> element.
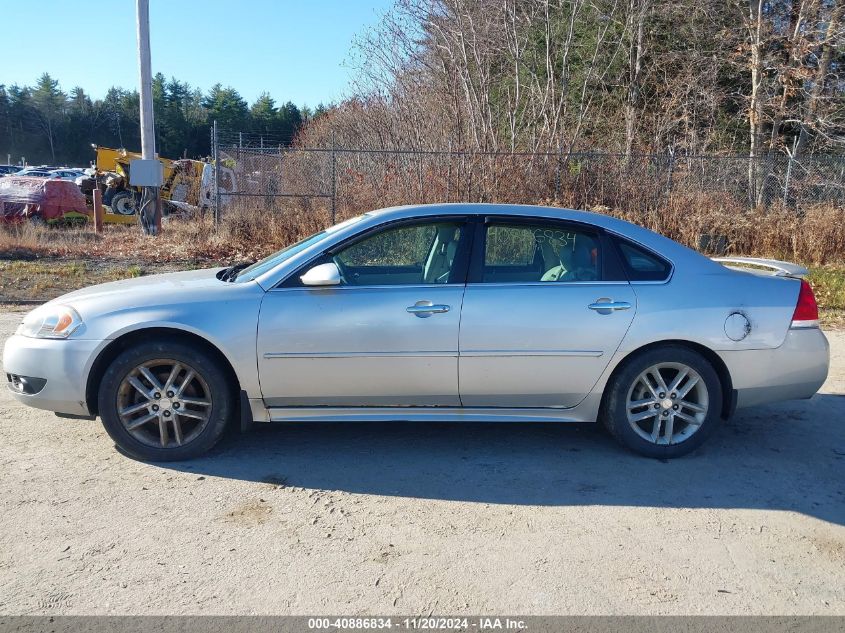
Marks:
<point>322,275</point>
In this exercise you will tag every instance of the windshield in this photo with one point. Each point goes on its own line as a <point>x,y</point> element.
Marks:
<point>271,261</point>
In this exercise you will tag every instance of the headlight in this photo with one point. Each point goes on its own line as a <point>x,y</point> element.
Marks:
<point>50,322</point>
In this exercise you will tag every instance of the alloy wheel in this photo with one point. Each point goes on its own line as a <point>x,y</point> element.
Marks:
<point>164,403</point>
<point>667,403</point>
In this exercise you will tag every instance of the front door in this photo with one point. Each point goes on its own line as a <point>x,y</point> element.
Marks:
<point>387,336</point>
<point>534,332</point>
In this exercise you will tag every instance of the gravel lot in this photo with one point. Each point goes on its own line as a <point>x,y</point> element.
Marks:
<point>413,519</point>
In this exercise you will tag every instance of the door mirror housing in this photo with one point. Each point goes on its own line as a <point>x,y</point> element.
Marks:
<point>322,275</point>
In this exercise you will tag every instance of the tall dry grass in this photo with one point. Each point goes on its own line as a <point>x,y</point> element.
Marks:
<point>252,227</point>
<point>677,205</point>
<point>249,231</point>
<point>816,236</point>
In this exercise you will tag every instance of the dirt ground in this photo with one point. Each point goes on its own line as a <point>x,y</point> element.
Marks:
<point>415,519</point>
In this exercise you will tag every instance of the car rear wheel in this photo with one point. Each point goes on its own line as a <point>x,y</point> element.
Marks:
<point>663,402</point>
<point>165,401</point>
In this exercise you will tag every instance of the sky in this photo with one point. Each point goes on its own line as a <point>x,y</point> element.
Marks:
<point>295,50</point>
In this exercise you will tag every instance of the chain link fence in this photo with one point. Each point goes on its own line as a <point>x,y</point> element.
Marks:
<point>263,174</point>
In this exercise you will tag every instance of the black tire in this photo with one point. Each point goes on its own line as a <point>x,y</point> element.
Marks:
<point>223,393</point>
<point>123,203</point>
<point>614,412</point>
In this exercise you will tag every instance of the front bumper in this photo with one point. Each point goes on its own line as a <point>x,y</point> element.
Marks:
<point>64,364</point>
<point>795,370</point>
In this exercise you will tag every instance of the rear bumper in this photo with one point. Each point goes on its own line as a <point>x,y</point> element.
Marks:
<point>795,370</point>
<point>63,364</point>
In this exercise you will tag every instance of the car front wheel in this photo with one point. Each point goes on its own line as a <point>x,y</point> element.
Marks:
<point>165,401</point>
<point>663,402</point>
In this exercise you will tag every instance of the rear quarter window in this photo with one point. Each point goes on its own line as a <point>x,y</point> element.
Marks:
<point>643,265</point>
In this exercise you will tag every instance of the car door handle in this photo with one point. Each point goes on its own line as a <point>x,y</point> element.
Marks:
<point>426,308</point>
<point>609,306</point>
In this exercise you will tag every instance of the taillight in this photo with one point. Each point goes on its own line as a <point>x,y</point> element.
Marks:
<point>806,310</point>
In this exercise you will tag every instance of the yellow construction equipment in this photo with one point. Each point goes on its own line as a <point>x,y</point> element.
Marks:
<point>187,184</point>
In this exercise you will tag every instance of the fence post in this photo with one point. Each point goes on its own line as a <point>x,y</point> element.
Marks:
<point>98,209</point>
<point>789,171</point>
<point>334,182</point>
<point>449,173</point>
<point>671,171</point>
<point>558,169</point>
<point>216,175</point>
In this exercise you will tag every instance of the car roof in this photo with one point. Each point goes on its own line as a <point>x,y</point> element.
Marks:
<point>634,232</point>
<point>486,208</point>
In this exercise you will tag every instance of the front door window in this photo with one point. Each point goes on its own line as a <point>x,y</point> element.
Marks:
<point>405,255</point>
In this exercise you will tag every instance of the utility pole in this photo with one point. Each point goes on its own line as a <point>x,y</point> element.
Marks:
<point>148,172</point>
<point>148,142</point>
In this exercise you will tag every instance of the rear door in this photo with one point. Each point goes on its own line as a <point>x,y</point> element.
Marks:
<point>543,313</point>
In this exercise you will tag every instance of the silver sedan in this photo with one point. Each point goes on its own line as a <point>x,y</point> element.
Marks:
<point>431,313</point>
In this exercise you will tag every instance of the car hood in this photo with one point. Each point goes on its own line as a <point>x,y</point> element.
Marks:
<point>155,290</point>
<point>152,285</point>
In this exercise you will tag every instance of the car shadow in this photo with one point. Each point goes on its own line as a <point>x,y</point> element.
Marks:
<point>787,457</point>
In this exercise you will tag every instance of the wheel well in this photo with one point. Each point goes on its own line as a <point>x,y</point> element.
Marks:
<point>712,357</point>
<point>117,346</point>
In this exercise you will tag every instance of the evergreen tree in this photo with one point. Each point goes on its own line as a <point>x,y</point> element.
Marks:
<point>227,107</point>
<point>289,120</point>
<point>264,114</point>
<point>44,124</point>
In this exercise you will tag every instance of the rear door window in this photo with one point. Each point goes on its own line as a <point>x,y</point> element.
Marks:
<point>537,251</point>
<point>643,265</point>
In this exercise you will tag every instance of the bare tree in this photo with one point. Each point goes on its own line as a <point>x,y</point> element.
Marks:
<point>635,25</point>
<point>833,38</point>
<point>50,103</point>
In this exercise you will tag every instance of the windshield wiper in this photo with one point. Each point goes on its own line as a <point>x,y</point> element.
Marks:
<point>231,273</point>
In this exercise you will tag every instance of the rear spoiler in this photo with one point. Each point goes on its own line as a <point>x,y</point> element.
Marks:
<point>782,269</point>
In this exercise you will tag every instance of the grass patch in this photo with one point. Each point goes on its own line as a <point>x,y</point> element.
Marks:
<point>829,287</point>
<point>23,269</point>
<point>36,279</point>
<point>45,279</point>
